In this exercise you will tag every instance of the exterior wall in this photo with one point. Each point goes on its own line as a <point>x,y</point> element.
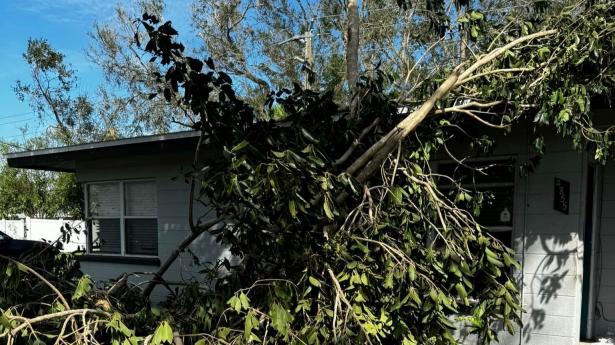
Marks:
<point>548,243</point>
<point>550,248</point>
<point>173,226</point>
<point>604,260</point>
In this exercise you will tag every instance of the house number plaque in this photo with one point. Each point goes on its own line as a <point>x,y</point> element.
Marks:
<point>561,196</point>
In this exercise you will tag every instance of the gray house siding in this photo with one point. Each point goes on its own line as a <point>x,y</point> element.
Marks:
<point>548,243</point>
<point>548,247</point>
<point>173,195</point>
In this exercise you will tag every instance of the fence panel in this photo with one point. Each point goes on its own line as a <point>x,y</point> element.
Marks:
<point>13,227</point>
<point>48,230</point>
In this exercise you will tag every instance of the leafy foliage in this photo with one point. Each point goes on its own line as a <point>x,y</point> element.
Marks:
<point>38,194</point>
<point>324,257</point>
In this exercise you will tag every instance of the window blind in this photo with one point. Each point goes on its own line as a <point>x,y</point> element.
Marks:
<point>140,199</point>
<point>141,236</point>
<point>104,200</point>
<point>106,236</point>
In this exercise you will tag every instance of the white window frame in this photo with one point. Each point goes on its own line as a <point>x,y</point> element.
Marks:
<point>513,184</point>
<point>122,217</point>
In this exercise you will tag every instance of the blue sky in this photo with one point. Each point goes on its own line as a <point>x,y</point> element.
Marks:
<point>65,24</point>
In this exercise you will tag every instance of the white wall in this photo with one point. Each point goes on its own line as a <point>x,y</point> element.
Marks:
<point>49,230</point>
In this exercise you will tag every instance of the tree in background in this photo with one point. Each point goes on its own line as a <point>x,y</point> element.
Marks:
<point>131,79</point>
<point>262,44</point>
<point>38,194</point>
<point>53,93</point>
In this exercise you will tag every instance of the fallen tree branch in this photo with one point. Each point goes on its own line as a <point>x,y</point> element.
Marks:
<point>340,294</point>
<point>71,313</point>
<point>479,119</point>
<point>356,143</point>
<point>501,50</point>
<point>496,71</point>
<point>194,234</point>
<point>30,270</point>
<point>375,155</point>
<point>371,159</point>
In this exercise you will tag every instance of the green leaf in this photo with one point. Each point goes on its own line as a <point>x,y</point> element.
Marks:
<point>250,323</point>
<point>474,31</point>
<point>564,115</point>
<point>223,332</point>
<point>396,195</point>
<point>235,303</point>
<point>292,208</point>
<point>314,281</point>
<point>411,272</point>
<point>370,328</point>
<point>476,15</point>
<point>83,287</point>
<point>327,208</point>
<point>245,301</point>
<point>163,334</point>
<point>280,318</point>
<point>542,52</point>
<point>388,281</point>
<point>240,146</point>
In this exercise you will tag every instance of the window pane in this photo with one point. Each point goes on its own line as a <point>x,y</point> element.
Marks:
<point>504,236</point>
<point>141,236</point>
<point>140,199</point>
<point>105,236</point>
<point>104,200</point>
<point>497,211</point>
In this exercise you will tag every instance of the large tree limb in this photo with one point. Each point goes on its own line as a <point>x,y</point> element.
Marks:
<point>45,281</point>
<point>194,234</point>
<point>501,50</point>
<point>371,159</point>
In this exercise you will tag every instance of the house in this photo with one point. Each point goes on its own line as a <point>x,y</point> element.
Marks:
<point>559,218</point>
<point>136,204</point>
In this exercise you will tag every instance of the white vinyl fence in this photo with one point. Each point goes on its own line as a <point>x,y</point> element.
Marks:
<point>48,230</point>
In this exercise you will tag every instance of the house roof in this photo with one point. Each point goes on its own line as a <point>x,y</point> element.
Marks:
<point>65,158</point>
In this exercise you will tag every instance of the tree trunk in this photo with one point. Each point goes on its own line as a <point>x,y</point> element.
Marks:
<point>352,51</point>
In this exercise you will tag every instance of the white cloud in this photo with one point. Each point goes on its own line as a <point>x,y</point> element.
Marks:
<point>65,11</point>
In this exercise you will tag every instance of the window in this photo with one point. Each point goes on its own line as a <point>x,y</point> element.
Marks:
<point>497,178</point>
<point>122,218</point>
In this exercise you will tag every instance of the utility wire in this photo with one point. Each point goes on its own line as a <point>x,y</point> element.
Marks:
<point>15,115</point>
<point>26,120</point>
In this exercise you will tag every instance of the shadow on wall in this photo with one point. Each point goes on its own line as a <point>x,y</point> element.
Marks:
<point>550,285</point>
<point>549,290</point>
